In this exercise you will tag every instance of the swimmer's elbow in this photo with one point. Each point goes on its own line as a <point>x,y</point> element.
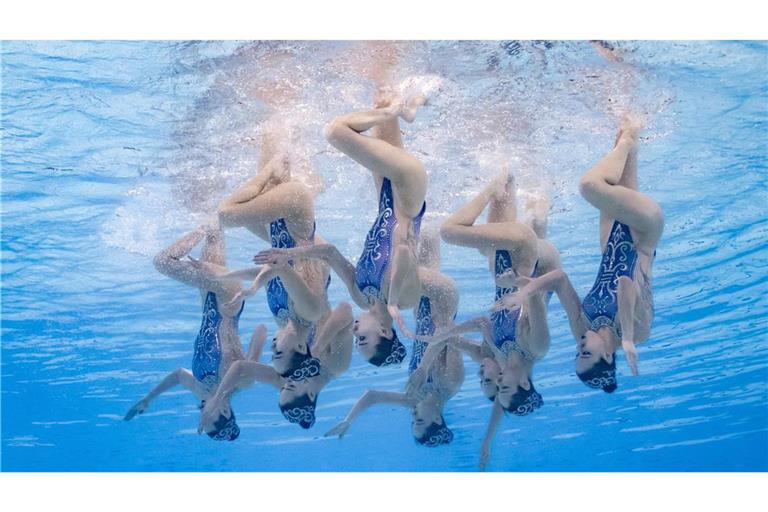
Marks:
<point>226,214</point>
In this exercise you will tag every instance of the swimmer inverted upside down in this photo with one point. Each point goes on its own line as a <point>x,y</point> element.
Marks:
<point>618,310</point>
<point>386,277</point>
<point>436,370</point>
<point>217,346</point>
<point>514,340</point>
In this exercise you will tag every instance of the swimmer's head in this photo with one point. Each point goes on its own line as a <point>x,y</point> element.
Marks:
<point>289,350</point>
<point>595,364</point>
<point>489,373</point>
<point>516,392</point>
<point>297,403</point>
<point>432,434</point>
<point>224,429</point>
<point>379,345</point>
<point>601,375</point>
<point>521,402</point>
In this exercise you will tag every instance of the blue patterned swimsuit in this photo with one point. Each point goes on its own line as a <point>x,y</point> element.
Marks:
<point>601,304</point>
<point>277,296</point>
<point>424,327</point>
<point>504,322</point>
<point>206,358</point>
<point>374,261</point>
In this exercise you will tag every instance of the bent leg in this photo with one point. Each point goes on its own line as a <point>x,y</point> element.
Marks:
<point>383,158</point>
<point>253,208</point>
<point>601,187</point>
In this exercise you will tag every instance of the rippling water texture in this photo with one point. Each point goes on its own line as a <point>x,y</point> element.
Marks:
<point>112,149</point>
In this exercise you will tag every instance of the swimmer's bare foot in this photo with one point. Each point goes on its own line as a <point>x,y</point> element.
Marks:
<point>537,207</point>
<point>629,131</point>
<point>503,186</point>
<point>409,107</point>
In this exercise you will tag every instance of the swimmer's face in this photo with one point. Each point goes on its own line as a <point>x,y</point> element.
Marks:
<point>489,374</point>
<point>423,416</point>
<point>368,333</point>
<point>284,346</point>
<point>509,382</point>
<point>590,348</point>
<point>292,390</point>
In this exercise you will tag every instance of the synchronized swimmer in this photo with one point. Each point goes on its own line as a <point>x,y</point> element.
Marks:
<point>398,270</point>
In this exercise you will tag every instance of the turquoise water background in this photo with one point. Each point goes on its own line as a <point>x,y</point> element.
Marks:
<point>111,150</point>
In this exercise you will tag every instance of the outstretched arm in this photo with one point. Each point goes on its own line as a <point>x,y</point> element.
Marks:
<point>180,376</point>
<point>557,281</point>
<point>244,274</point>
<point>493,423</point>
<point>327,252</point>
<point>257,342</point>
<point>369,398</point>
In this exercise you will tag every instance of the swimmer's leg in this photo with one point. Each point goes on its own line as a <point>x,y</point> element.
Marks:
<point>214,247</point>
<point>601,187</point>
<point>336,335</point>
<point>254,208</point>
<point>460,229</point>
<point>429,249</point>
<point>537,209</point>
<point>382,154</point>
<point>503,203</point>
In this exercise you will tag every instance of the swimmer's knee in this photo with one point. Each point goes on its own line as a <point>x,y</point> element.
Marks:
<point>589,186</point>
<point>161,261</point>
<point>335,131</point>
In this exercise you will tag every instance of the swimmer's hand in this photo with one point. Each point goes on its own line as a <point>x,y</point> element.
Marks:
<point>631,352</point>
<point>485,454</point>
<point>239,296</point>
<point>276,257</point>
<point>209,270</point>
<point>511,301</point>
<point>213,410</point>
<point>339,430</point>
<point>138,408</point>
<point>415,383</point>
<point>394,312</point>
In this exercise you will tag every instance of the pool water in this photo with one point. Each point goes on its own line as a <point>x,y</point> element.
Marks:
<point>111,150</point>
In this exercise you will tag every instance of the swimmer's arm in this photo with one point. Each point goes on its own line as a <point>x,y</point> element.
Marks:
<point>180,376</point>
<point>326,252</point>
<point>307,304</point>
<point>493,423</point>
<point>478,324</point>
<point>258,338</point>
<point>331,330</point>
<point>469,346</point>
<point>369,398</point>
<point>244,274</point>
<point>558,281</point>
